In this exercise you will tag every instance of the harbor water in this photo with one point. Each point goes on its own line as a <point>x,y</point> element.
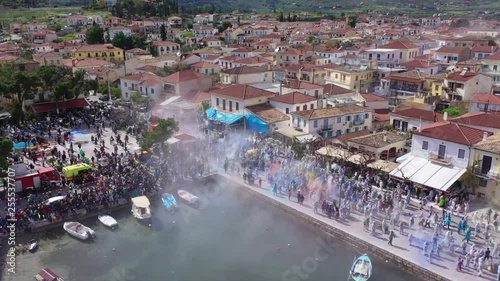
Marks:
<point>230,236</point>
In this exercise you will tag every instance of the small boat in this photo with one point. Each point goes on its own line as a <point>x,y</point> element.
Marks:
<point>188,197</point>
<point>47,274</point>
<point>107,220</point>
<point>140,208</point>
<point>361,268</point>
<point>169,202</point>
<point>32,245</point>
<point>79,230</point>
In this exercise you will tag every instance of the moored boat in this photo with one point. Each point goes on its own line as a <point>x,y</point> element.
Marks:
<point>79,230</point>
<point>107,220</point>
<point>47,274</point>
<point>140,208</point>
<point>32,245</point>
<point>188,197</point>
<point>361,269</point>
<point>169,202</point>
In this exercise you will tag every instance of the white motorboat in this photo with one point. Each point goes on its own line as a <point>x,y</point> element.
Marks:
<point>140,208</point>
<point>188,197</point>
<point>79,230</point>
<point>32,245</point>
<point>107,220</point>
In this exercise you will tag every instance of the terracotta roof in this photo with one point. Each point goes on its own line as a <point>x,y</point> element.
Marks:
<point>491,144</point>
<point>200,96</point>
<point>88,62</point>
<point>202,64</point>
<point>486,98</point>
<point>293,98</point>
<point>244,69</point>
<point>453,132</point>
<point>417,113</point>
<point>242,92</point>
<point>291,51</point>
<point>164,43</point>
<point>294,84</point>
<point>151,82</point>
<point>456,76</point>
<point>413,76</point>
<point>418,64</point>
<point>141,76</point>
<point>242,50</point>
<point>423,57</point>
<point>399,45</point>
<point>484,49</point>
<point>97,48</point>
<point>137,51</point>
<point>344,138</point>
<point>252,60</point>
<point>377,140</point>
<point>369,97</point>
<point>483,119</point>
<point>149,68</point>
<point>332,90</point>
<point>451,49</point>
<point>268,113</point>
<point>495,56</point>
<point>183,75</point>
<point>382,115</point>
<point>330,111</point>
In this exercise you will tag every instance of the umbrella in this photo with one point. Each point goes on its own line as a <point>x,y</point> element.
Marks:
<point>54,199</point>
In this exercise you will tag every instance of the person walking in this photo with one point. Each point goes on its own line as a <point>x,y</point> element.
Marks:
<point>391,237</point>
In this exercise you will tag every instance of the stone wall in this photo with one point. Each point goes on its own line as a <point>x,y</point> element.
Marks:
<point>345,237</point>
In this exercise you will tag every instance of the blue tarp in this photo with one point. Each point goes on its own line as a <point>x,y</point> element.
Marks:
<point>22,145</point>
<point>223,117</point>
<point>254,123</point>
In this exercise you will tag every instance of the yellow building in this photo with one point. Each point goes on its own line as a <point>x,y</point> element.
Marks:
<point>487,155</point>
<point>356,78</point>
<point>106,52</point>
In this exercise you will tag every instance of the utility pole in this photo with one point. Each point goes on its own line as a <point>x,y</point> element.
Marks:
<point>109,85</point>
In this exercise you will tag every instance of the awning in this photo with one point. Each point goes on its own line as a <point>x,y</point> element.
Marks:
<point>4,115</point>
<point>384,165</point>
<point>51,106</point>
<point>403,158</point>
<point>141,201</point>
<point>425,172</point>
<point>334,152</point>
<point>48,275</point>
<point>223,117</point>
<point>308,137</point>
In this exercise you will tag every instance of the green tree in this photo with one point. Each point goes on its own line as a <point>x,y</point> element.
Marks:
<point>95,35</point>
<point>225,25</point>
<point>455,111</point>
<point>115,91</point>
<point>163,32</point>
<point>81,85</point>
<point>281,17</point>
<point>50,75</point>
<point>492,43</point>
<point>179,66</point>
<point>310,39</point>
<point>469,178</point>
<point>352,21</point>
<point>63,90</point>
<point>6,146</point>
<point>162,132</point>
<point>22,84</point>
<point>26,51</point>
<point>138,99</point>
<point>122,41</point>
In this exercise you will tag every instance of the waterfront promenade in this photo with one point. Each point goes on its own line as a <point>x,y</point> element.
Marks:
<point>410,257</point>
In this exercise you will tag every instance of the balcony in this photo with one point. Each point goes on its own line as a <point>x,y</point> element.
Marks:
<point>439,159</point>
<point>358,122</point>
<point>489,175</point>
<point>329,127</point>
<point>406,88</point>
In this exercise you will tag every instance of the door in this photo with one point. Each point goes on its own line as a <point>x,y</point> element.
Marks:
<point>486,164</point>
<point>442,151</point>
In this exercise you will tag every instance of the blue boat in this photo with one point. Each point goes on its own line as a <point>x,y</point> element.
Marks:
<point>361,269</point>
<point>169,202</point>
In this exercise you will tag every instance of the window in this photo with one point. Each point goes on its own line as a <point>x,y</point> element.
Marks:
<point>339,132</point>
<point>230,106</point>
<point>126,85</point>
<point>367,115</point>
<point>237,105</point>
<point>304,122</point>
<point>287,110</point>
<point>298,122</point>
<point>347,131</point>
<point>152,91</point>
<point>304,107</point>
<point>315,124</point>
<point>312,106</point>
<point>348,118</point>
<point>339,119</point>
<point>461,153</point>
<point>425,145</point>
<point>216,100</point>
<point>297,108</point>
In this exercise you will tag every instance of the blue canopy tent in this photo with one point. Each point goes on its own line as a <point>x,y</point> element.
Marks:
<point>256,124</point>
<point>223,117</point>
<point>22,145</point>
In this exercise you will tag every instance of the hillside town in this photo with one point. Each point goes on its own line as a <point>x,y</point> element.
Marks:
<point>414,97</point>
<point>407,107</point>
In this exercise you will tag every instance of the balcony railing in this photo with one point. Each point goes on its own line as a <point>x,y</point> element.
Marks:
<point>490,174</point>
<point>358,122</point>
<point>439,158</point>
<point>328,127</point>
<point>407,88</point>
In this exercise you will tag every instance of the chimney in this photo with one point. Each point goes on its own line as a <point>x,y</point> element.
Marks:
<point>485,135</point>
<point>385,138</point>
<point>445,116</point>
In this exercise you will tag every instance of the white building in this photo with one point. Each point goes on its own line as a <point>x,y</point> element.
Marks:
<point>294,101</point>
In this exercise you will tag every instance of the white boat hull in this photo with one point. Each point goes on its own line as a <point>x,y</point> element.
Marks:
<point>141,215</point>
<point>188,197</point>
<point>108,220</point>
<point>79,230</point>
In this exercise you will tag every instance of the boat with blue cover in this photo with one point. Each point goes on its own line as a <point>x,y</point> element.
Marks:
<point>361,269</point>
<point>169,202</point>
